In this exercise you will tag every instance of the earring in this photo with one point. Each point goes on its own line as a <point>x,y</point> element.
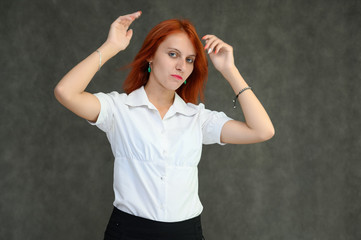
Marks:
<point>149,69</point>
<point>185,82</point>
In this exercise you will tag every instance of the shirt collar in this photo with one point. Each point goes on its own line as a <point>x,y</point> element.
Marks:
<point>139,98</point>
<point>179,106</point>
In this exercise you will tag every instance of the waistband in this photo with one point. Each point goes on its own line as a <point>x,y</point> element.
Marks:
<point>146,227</point>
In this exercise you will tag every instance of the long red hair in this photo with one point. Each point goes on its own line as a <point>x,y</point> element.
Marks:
<point>139,75</point>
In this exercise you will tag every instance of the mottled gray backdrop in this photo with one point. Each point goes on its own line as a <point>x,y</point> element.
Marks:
<point>302,59</point>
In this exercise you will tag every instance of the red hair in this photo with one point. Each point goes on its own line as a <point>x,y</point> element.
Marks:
<point>139,75</point>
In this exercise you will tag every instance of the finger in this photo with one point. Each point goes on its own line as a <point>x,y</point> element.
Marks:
<point>209,41</point>
<point>121,18</point>
<point>123,23</point>
<point>206,37</point>
<point>133,16</point>
<point>213,44</point>
<point>218,47</point>
<point>136,14</point>
<point>128,19</point>
<point>129,34</point>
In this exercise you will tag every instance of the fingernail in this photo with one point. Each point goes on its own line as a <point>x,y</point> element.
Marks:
<point>205,47</point>
<point>203,37</point>
<point>209,50</point>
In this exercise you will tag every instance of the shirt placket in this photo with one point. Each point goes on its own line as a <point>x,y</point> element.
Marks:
<point>164,174</point>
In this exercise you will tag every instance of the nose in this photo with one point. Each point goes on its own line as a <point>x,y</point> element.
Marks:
<point>180,65</point>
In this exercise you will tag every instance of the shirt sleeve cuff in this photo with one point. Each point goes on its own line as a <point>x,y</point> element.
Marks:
<point>220,123</point>
<point>101,97</point>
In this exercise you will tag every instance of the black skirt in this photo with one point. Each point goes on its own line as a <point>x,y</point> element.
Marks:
<point>124,226</point>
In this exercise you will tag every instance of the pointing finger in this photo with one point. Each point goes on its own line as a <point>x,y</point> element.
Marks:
<point>135,15</point>
<point>129,17</point>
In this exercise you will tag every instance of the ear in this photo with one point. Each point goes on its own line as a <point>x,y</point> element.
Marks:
<point>150,59</point>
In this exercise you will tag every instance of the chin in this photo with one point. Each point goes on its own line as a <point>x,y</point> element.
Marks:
<point>173,86</point>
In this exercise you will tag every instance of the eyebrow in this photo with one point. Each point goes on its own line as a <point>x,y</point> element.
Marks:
<point>192,55</point>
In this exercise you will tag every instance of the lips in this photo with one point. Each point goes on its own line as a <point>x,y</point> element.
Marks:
<point>177,76</point>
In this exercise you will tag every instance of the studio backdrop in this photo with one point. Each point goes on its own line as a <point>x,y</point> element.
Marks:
<point>302,59</point>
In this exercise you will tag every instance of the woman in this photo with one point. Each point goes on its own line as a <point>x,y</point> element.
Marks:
<point>156,129</point>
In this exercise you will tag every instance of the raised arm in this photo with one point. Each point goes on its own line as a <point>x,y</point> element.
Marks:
<point>258,126</point>
<point>70,91</point>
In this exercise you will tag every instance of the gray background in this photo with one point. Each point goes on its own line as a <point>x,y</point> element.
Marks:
<point>302,59</point>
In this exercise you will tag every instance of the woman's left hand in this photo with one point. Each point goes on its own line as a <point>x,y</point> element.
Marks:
<point>220,53</point>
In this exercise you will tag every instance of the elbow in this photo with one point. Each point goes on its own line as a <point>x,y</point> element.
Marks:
<point>267,134</point>
<point>272,133</point>
<point>56,92</point>
<point>60,94</point>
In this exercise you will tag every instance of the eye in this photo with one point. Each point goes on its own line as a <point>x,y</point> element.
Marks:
<point>190,60</point>
<point>172,54</point>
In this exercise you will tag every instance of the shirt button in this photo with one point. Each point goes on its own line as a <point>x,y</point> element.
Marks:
<point>162,177</point>
<point>164,152</point>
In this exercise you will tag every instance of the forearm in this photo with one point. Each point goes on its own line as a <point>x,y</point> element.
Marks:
<point>255,115</point>
<point>77,79</point>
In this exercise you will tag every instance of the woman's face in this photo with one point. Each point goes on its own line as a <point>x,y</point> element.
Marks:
<point>173,61</point>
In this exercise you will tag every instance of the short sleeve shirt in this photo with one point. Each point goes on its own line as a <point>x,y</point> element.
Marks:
<point>155,167</point>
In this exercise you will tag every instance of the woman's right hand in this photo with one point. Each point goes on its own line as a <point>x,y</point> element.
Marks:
<point>70,91</point>
<point>119,36</point>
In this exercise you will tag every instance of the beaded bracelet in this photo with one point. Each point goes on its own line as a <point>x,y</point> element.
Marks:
<point>235,99</point>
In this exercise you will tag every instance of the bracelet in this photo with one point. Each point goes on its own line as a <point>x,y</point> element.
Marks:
<point>100,59</point>
<point>235,99</point>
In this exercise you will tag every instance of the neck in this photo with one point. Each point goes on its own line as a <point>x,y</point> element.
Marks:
<point>158,96</point>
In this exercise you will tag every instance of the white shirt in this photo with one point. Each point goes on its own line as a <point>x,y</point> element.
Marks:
<point>155,168</point>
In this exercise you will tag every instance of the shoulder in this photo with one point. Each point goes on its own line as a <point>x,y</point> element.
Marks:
<point>207,114</point>
<point>199,108</point>
<point>113,96</point>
